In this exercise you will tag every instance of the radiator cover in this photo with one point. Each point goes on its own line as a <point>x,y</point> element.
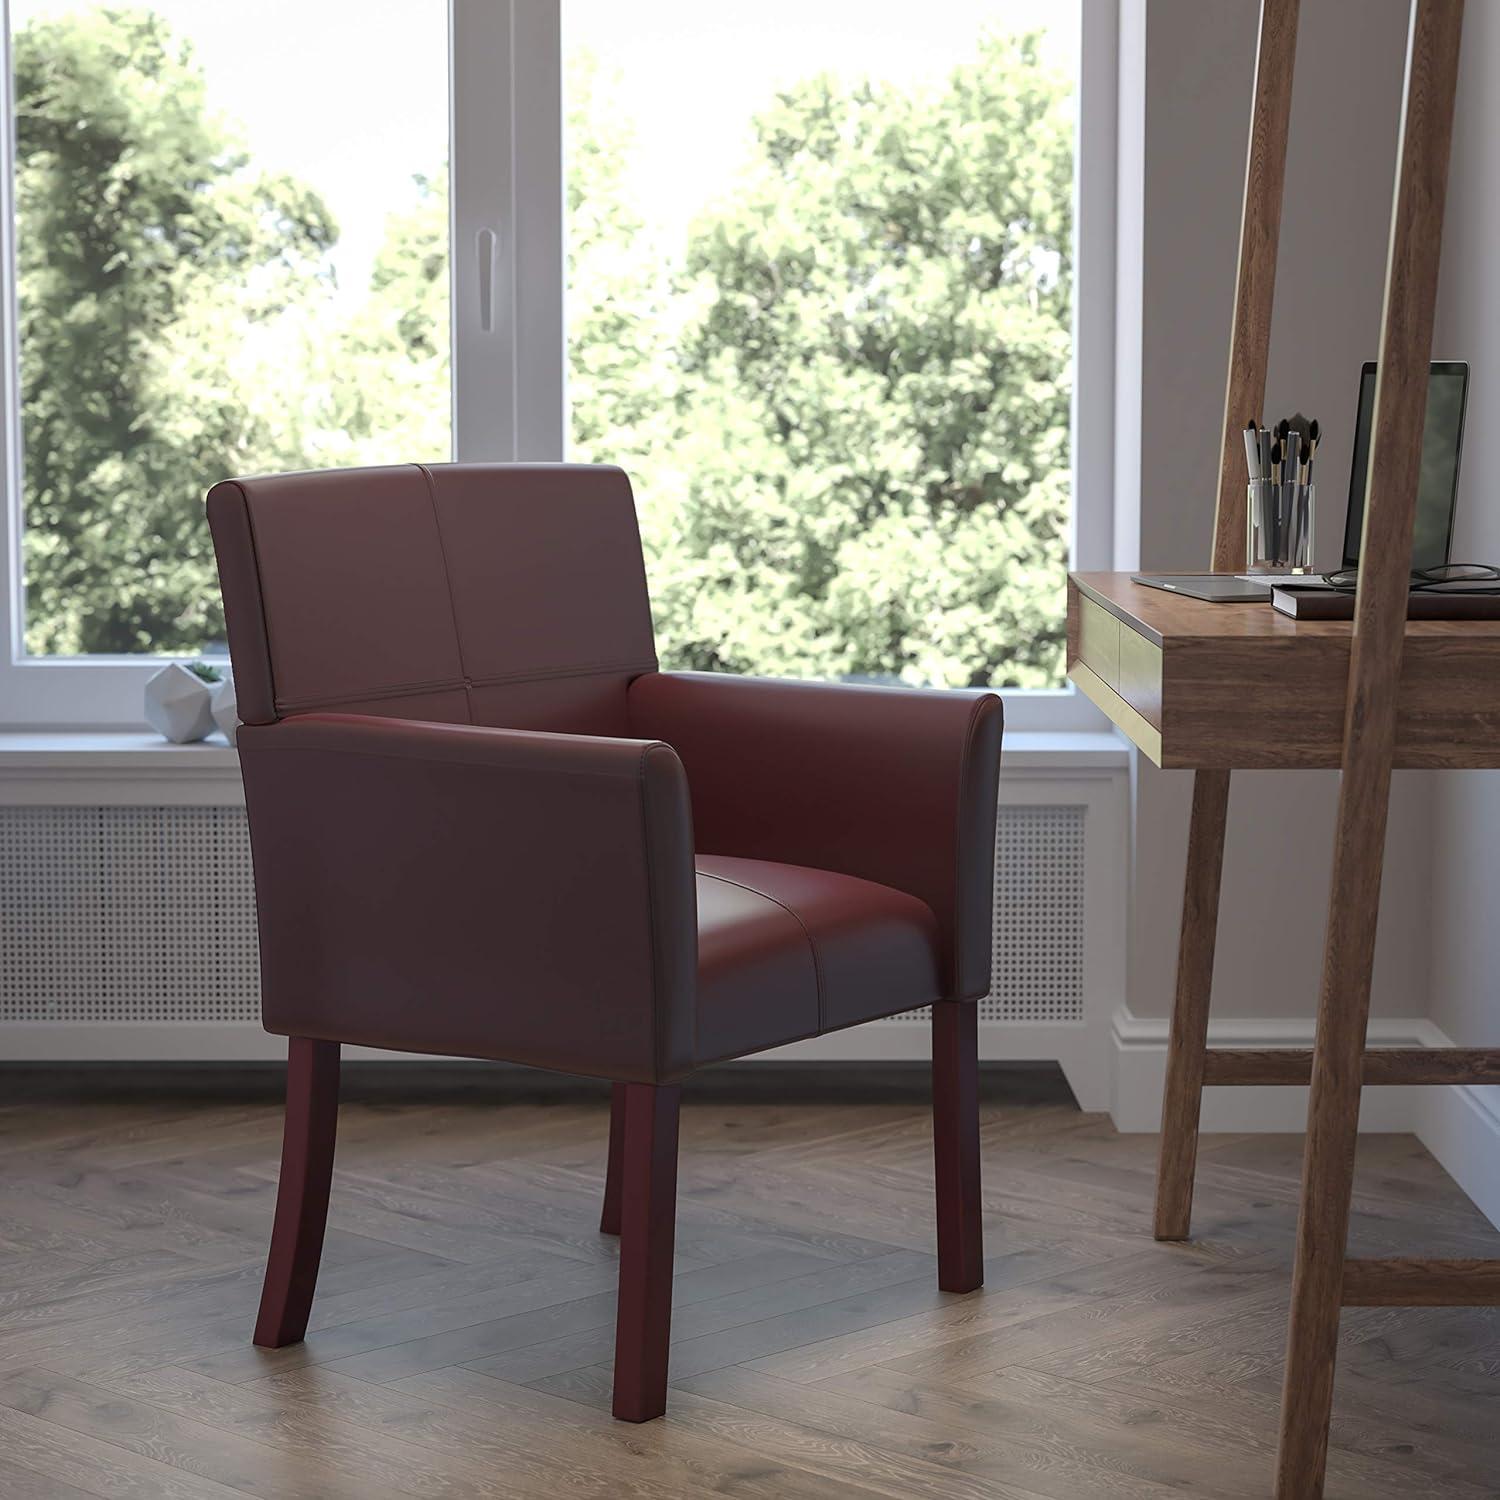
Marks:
<point>147,914</point>
<point>112,914</point>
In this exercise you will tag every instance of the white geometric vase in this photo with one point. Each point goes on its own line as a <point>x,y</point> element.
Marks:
<point>179,705</point>
<point>227,709</point>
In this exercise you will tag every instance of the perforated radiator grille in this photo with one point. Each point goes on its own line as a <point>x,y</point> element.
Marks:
<point>1037,972</point>
<point>148,914</point>
<point>126,914</point>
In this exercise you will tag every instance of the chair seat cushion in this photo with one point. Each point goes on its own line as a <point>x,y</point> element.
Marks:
<point>786,952</point>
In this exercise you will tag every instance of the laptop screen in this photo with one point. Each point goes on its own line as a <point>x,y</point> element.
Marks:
<point>1442,442</point>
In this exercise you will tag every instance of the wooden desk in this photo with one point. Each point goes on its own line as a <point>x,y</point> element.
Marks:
<point>1216,686</point>
<point>1232,686</point>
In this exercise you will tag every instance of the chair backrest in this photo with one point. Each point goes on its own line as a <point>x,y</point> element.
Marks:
<point>503,594</point>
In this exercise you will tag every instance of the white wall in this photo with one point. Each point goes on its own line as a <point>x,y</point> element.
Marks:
<point>1193,119</point>
<point>1466,805</point>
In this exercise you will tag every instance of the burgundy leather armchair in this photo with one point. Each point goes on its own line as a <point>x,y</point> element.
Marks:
<point>485,825</point>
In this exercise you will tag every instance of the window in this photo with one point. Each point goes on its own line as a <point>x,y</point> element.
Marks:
<point>819,305</point>
<point>820,302</point>
<point>229,257</point>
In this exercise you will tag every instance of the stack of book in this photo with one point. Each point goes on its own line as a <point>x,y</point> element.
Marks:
<point>1310,598</point>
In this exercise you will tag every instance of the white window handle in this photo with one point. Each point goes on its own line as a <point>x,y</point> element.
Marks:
<point>489,254</point>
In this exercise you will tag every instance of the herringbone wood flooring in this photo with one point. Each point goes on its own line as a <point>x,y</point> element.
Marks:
<point>462,1332</point>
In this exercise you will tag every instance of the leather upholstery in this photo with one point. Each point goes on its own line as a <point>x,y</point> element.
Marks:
<point>897,786</point>
<point>475,891</point>
<point>468,791</point>
<point>471,593</point>
<point>789,952</point>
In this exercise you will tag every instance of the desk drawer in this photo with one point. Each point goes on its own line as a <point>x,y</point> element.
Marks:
<point>1099,642</point>
<point>1118,659</point>
<point>1140,673</point>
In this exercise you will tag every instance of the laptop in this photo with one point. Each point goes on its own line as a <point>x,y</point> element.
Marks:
<point>1437,489</point>
<point>1442,445</point>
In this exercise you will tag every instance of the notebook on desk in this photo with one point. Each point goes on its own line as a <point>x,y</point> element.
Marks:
<point>1421,604</point>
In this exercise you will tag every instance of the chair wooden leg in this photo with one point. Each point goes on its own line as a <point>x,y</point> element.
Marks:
<point>312,1104</point>
<point>609,1214</point>
<point>1183,1097</point>
<point>643,1327</point>
<point>955,1137</point>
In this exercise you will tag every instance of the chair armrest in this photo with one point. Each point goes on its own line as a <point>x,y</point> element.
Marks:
<point>895,785</point>
<point>480,892</point>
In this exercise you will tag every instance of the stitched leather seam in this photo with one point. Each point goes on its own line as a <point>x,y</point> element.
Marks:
<point>812,947</point>
<point>587,669</point>
<point>456,684</point>
<point>419,755</point>
<point>391,690</point>
<point>458,640</point>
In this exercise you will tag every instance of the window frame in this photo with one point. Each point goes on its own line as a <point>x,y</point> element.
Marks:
<point>509,380</point>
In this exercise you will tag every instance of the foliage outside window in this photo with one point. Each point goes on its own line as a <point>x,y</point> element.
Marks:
<point>844,402</point>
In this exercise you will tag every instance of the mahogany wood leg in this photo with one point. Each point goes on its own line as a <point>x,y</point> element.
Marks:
<point>1183,1096</point>
<point>955,1137</point>
<point>312,1104</point>
<point>609,1214</point>
<point>643,1328</point>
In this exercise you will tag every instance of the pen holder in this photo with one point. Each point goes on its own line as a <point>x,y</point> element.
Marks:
<point>1279,525</point>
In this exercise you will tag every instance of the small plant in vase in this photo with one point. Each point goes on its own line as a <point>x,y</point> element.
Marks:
<point>180,701</point>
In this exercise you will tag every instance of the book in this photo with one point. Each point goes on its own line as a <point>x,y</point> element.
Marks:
<point>1421,604</point>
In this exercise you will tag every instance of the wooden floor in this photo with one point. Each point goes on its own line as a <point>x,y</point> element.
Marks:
<point>463,1325</point>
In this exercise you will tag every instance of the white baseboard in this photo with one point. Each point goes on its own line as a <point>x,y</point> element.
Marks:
<point>1140,1067</point>
<point>1458,1123</point>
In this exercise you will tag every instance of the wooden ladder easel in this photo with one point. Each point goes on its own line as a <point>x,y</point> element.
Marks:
<point>1324,1281</point>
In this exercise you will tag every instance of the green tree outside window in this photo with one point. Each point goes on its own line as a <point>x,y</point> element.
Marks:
<point>844,402</point>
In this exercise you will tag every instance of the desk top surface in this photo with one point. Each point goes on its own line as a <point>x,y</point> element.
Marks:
<point>1161,616</point>
<point>1195,684</point>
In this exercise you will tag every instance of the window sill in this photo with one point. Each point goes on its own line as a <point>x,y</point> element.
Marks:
<point>62,768</point>
<point>1042,750</point>
<point>69,768</point>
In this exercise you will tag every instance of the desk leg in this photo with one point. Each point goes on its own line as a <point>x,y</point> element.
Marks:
<point>1189,1037</point>
<point>1332,1127</point>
